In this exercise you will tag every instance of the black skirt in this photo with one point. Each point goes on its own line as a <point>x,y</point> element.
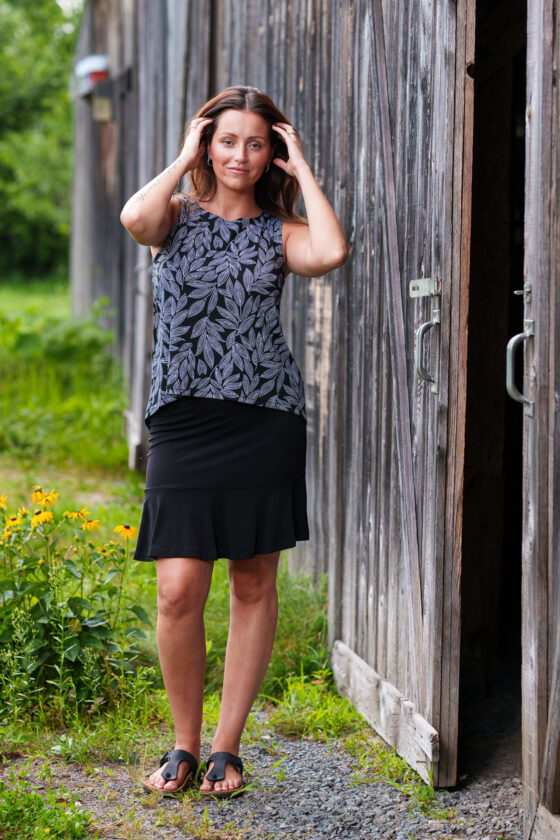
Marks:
<point>224,479</point>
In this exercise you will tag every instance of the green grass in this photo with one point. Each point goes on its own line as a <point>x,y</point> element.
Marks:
<point>36,296</point>
<point>309,708</point>
<point>26,814</point>
<point>63,396</point>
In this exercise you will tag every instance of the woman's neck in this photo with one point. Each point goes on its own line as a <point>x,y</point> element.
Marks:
<point>232,205</point>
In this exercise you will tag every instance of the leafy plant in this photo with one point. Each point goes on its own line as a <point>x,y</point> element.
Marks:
<point>37,40</point>
<point>69,621</point>
<point>27,815</point>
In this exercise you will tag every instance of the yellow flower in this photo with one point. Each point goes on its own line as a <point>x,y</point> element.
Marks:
<point>13,521</point>
<point>37,494</point>
<point>71,514</point>
<point>40,497</point>
<point>127,532</point>
<point>22,511</point>
<point>3,499</point>
<point>102,549</point>
<point>50,498</point>
<point>83,513</point>
<point>40,561</point>
<point>40,517</point>
<point>90,524</point>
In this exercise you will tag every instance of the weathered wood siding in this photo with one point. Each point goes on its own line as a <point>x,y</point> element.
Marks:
<point>376,91</point>
<point>106,169</point>
<point>541,503</point>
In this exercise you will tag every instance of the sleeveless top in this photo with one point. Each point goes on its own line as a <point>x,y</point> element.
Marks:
<point>217,286</point>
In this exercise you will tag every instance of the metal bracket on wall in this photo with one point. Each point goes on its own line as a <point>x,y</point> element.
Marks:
<point>424,287</point>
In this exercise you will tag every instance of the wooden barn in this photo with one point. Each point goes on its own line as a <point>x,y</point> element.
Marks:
<point>433,496</point>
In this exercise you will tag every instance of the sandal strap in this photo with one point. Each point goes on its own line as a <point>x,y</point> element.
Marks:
<point>220,759</point>
<point>175,757</point>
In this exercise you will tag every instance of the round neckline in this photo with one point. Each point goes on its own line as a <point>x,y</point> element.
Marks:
<point>228,221</point>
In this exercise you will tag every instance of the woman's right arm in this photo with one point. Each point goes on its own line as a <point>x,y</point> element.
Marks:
<point>151,212</point>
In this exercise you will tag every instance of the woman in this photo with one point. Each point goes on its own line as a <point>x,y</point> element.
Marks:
<point>226,412</point>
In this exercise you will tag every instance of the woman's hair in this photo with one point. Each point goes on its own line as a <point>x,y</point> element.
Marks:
<point>275,191</point>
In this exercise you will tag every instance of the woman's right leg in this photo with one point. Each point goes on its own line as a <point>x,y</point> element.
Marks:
<point>183,586</point>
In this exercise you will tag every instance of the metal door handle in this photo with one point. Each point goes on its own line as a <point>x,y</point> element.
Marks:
<point>419,346</point>
<point>511,387</point>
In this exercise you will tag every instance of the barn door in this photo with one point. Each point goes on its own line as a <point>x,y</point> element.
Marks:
<point>539,396</point>
<point>401,665</point>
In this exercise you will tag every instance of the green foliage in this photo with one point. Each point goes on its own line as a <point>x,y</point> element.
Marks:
<point>28,295</point>
<point>25,814</point>
<point>37,41</point>
<point>69,622</point>
<point>309,708</point>
<point>57,374</point>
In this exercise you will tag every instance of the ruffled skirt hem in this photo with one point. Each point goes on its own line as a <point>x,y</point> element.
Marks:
<point>213,524</point>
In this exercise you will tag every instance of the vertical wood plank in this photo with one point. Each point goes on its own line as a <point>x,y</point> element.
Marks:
<point>397,336</point>
<point>535,618</point>
<point>458,321</point>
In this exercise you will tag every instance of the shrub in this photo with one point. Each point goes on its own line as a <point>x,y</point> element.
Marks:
<point>69,621</point>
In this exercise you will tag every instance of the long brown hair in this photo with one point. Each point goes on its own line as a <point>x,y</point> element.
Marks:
<point>275,191</point>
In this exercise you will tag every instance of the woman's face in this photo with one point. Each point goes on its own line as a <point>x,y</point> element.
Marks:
<point>240,148</point>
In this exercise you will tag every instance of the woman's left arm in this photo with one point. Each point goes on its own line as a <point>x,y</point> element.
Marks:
<point>320,246</point>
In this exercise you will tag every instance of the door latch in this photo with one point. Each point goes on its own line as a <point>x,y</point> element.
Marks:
<point>511,387</point>
<point>424,287</point>
<point>419,346</point>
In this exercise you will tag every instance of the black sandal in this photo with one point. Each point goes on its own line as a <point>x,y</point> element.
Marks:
<point>174,757</point>
<point>218,772</point>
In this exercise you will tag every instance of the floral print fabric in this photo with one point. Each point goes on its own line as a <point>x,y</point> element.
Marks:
<point>217,286</point>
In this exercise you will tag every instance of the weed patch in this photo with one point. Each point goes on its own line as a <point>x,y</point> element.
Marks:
<point>309,708</point>
<point>28,815</point>
<point>377,763</point>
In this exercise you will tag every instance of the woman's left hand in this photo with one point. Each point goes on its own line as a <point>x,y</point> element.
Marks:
<point>293,144</point>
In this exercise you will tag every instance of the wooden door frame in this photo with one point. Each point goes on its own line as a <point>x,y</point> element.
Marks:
<point>541,433</point>
<point>457,394</point>
<point>431,750</point>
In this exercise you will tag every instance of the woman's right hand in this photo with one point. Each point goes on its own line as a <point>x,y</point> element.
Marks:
<point>150,213</point>
<point>193,151</point>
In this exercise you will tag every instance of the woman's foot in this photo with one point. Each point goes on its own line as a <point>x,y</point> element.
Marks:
<point>227,765</point>
<point>182,766</point>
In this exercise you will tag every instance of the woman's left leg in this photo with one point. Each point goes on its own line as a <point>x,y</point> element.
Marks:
<point>253,615</point>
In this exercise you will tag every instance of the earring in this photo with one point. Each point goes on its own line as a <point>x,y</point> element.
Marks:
<point>209,161</point>
<point>267,167</point>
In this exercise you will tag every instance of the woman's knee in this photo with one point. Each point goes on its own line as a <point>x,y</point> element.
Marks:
<point>182,587</point>
<point>253,585</point>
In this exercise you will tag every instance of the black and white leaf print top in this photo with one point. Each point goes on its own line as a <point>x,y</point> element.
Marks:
<point>217,286</point>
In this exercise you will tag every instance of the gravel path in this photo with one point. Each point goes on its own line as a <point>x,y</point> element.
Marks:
<point>307,791</point>
<point>308,795</point>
